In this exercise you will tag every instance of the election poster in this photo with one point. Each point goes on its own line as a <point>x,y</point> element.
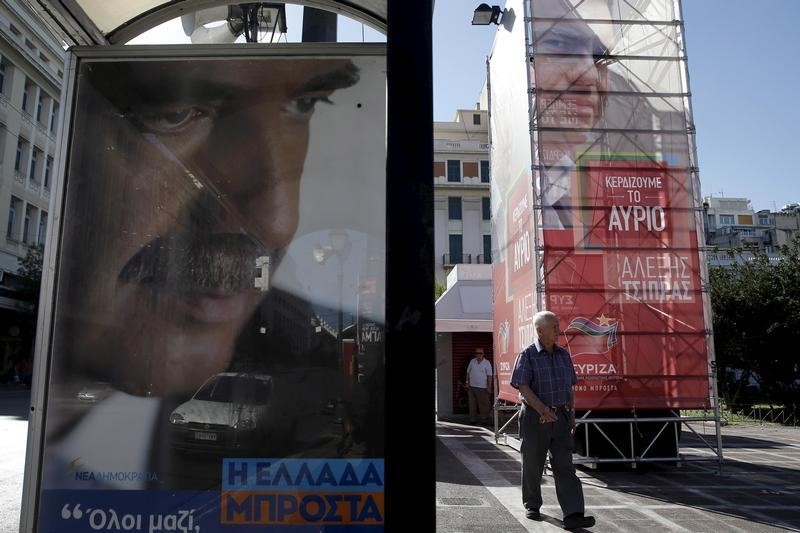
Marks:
<point>604,232</point>
<point>217,237</point>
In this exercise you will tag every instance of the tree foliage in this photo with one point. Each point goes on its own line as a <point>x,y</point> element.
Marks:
<point>30,266</point>
<point>30,272</point>
<point>756,312</point>
<point>438,289</point>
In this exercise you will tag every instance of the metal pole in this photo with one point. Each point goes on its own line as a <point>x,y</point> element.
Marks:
<point>340,317</point>
<point>409,272</point>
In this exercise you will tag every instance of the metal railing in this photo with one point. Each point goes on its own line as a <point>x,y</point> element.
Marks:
<point>786,416</point>
<point>456,259</point>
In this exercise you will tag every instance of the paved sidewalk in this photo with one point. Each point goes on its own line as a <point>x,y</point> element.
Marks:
<point>477,485</point>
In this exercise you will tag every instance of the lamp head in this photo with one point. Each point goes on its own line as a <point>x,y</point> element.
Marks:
<point>485,14</point>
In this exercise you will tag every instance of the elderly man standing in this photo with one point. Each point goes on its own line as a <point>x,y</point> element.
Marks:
<point>479,384</point>
<point>544,376</point>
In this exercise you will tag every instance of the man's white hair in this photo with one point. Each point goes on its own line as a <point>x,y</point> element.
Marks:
<point>542,317</point>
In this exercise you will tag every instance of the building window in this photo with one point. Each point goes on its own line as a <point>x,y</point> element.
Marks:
<point>27,93</point>
<point>22,153</point>
<point>13,210</point>
<point>30,44</point>
<point>3,76</point>
<point>487,249</point>
<point>48,167</point>
<point>54,118</point>
<point>29,213</point>
<point>39,106</point>
<point>453,170</point>
<point>484,171</point>
<point>40,236</point>
<point>14,30</point>
<point>726,220</point>
<point>456,255</point>
<point>2,140</point>
<point>763,220</point>
<point>454,207</point>
<point>34,160</point>
<point>476,119</point>
<point>44,58</point>
<point>486,208</point>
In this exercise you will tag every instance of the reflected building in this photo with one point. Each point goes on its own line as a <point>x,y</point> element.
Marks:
<point>31,63</point>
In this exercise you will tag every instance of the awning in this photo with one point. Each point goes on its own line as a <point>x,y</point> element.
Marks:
<point>466,305</point>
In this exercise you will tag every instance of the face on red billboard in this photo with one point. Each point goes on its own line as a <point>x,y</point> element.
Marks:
<point>570,72</point>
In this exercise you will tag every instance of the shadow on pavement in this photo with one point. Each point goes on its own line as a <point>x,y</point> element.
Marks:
<point>15,402</point>
<point>730,442</point>
<point>755,492</point>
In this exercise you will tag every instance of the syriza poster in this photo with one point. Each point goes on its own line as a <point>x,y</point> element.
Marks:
<point>604,231</point>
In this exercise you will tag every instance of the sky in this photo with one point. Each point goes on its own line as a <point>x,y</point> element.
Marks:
<point>743,72</point>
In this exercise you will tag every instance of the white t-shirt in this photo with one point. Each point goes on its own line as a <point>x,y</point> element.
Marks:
<point>479,373</point>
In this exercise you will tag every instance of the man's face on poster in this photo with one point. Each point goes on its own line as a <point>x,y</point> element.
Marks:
<point>571,62</point>
<point>192,174</point>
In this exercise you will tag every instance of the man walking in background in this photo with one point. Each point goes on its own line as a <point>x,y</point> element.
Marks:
<point>479,384</point>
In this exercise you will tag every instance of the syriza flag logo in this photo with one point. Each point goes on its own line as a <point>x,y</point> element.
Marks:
<point>586,336</point>
<point>503,331</point>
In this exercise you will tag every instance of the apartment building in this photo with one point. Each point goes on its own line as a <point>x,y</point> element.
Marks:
<point>31,71</point>
<point>732,223</point>
<point>461,206</point>
<point>463,251</point>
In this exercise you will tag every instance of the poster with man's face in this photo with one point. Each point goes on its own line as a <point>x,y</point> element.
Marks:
<point>219,215</point>
<point>614,248</point>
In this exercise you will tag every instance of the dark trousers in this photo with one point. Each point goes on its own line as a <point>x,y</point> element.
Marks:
<point>537,439</point>
<point>479,403</point>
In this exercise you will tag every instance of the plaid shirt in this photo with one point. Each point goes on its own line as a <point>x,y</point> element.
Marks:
<point>549,375</point>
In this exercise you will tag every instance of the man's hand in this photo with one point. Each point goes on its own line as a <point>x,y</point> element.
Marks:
<point>547,415</point>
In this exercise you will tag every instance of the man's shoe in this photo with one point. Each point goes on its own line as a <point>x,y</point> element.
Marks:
<point>578,521</point>
<point>532,514</point>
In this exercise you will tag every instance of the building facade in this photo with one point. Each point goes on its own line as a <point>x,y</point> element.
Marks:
<point>462,251</point>
<point>731,223</point>
<point>31,71</point>
<point>461,206</point>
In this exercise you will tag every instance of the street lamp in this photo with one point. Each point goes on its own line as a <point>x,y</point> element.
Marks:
<point>339,247</point>
<point>485,14</point>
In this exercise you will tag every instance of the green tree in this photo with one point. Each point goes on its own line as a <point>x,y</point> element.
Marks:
<point>30,266</point>
<point>438,289</point>
<point>30,270</point>
<point>756,313</point>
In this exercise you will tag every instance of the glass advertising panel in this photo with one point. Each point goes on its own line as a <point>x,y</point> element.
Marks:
<point>217,343</point>
<point>619,242</point>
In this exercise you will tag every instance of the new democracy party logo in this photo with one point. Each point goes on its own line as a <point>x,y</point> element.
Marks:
<point>302,491</point>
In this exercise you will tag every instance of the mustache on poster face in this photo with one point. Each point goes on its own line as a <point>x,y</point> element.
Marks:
<point>218,263</point>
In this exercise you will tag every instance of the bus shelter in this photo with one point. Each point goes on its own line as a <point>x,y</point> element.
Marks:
<point>237,270</point>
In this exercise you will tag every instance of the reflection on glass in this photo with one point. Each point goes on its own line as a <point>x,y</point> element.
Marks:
<point>186,281</point>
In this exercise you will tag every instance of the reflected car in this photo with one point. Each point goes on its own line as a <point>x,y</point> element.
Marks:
<point>94,393</point>
<point>228,412</point>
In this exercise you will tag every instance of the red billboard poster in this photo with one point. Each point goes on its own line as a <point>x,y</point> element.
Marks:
<point>513,231</point>
<point>625,282</point>
<point>195,377</point>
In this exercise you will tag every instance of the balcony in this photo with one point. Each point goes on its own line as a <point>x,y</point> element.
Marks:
<point>441,145</point>
<point>483,259</point>
<point>449,260</point>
